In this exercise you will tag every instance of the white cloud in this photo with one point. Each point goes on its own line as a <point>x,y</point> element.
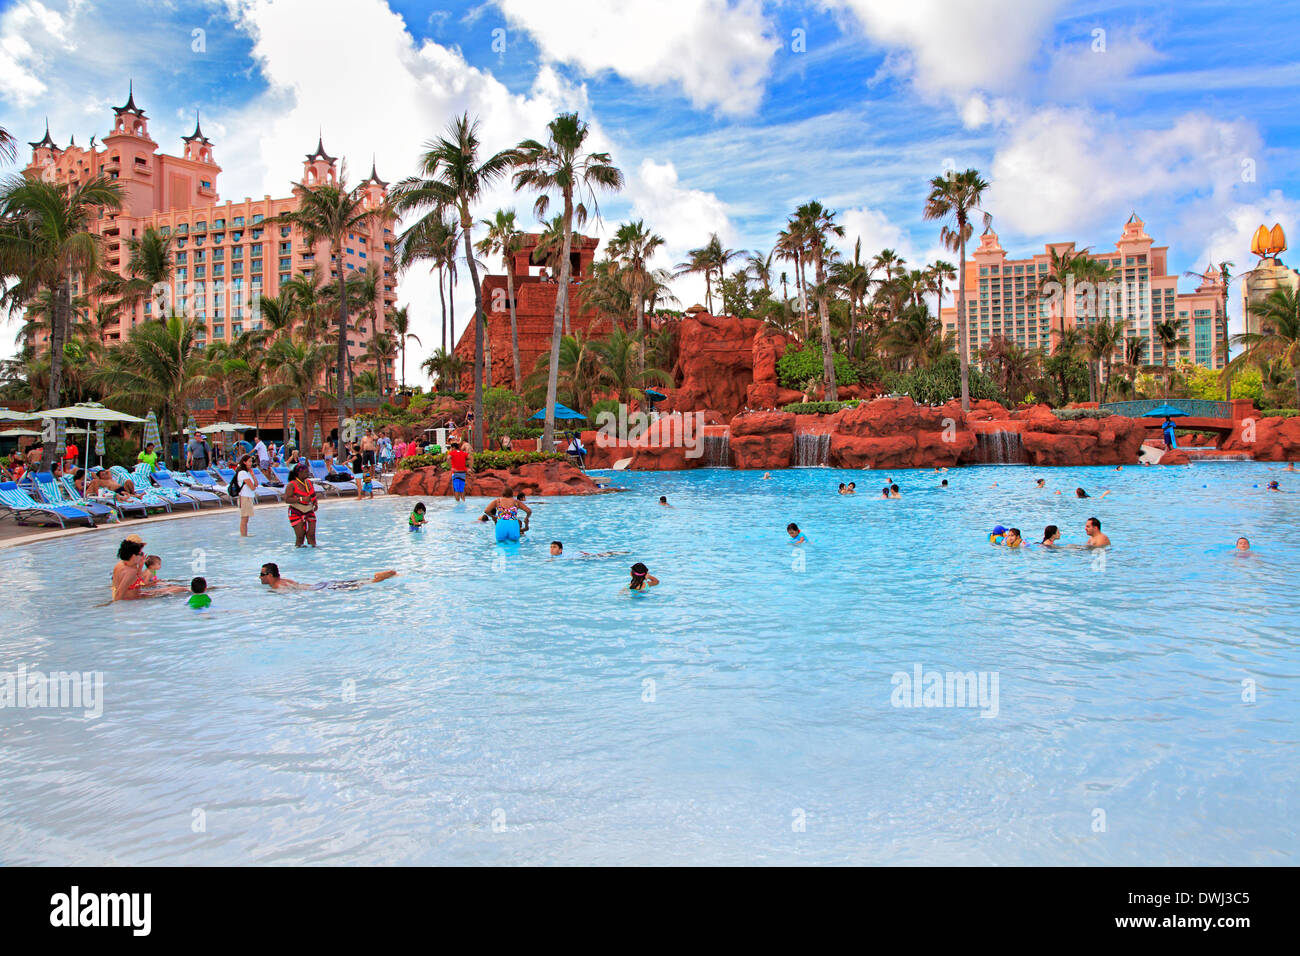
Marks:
<point>956,48</point>
<point>1061,172</point>
<point>22,26</point>
<point>1086,69</point>
<point>718,52</point>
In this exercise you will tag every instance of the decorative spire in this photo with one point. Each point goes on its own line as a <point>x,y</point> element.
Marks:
<point>374,176</point>
<point>129,106</point>
<point>1133,217</point>
<point>197,135</point>
<point>72,143</point>
<point>47,142</point>
<point>320,152</point>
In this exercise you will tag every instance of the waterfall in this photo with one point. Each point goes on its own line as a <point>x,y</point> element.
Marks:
<point>811,450</point>
<point>717,451</point>
<point>999,448</point>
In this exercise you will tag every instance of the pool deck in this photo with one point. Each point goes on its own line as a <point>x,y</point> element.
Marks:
<point>13,534</point>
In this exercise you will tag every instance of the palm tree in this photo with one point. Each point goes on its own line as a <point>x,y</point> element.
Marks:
<point>710,259</point>
<point>45,237</point>
<point>159,365</point>
<point>579,370</point>
<point>434,241</point>
<point>296,365</point>
<point>854,280</point>
<point>1104,336</point>
<point>760,268</point>
<point>1278,337</point>
<point>8,146</point>
<point>917,338</point>
<point>791,245</point>
<point>957,196</point>
<point>400,320</point>
<point>504,238</point>
<point>621,365</point>
<point>1017,366</point>
<point>632,246</point>
<point>817,223</point>
<point>940,272</point>
<point>561,165</point>
<point>327,212</point>
<point>1166,333</point>
<point>444,367</point>
<point>451,180</point>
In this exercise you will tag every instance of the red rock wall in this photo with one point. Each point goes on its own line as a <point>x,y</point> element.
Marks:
<point>1274,439</point>
<point>543,479</point>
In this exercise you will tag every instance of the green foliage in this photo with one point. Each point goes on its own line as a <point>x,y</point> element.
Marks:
<point>522,430</point>
<point>818,408</point>
<point>1076,414</point>
<point>484,460</point>
<point>1281,413</point>
<point>798,366</point>
<point>119,451</point>
<point>941,382</point>
<point>502,409</point>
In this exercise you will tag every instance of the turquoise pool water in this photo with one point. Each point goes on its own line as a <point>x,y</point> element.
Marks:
<point>491,705</point>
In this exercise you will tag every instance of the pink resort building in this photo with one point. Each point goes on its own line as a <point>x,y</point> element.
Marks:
<point>1142,294</point>
<point>225,257</point>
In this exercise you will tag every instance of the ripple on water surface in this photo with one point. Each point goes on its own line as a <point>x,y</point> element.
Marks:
<point>494,705</point>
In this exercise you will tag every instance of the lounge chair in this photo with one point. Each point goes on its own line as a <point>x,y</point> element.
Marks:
<point>145,492</point>
<point>260,493</point>
<point>204,480</point>
<point>70,492</point>
<point>319,471</point>
<point>264,485</point>
<point>15,501</point>
<point>167,482</point>
<point>52,493</point>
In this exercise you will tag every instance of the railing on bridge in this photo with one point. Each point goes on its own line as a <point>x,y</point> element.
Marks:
<point>1194,407</point>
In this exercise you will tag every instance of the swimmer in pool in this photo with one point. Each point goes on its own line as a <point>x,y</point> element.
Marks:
<point>944,483</point>
<point>843,488</point>
<point>1013,539</point>
<point>641,578</point>
<point>853,488</point>
<point>767,476</point>
<point>998,535</point>
<point>1092,528</point>
<point>557,551</point>
<point>894,492</point>
<point>1051,535</point>
<point>1243,544</point>
<point>663,501</point>
<point>270,576</point>
<point>793,531</point>
<point>1273,486</point>
<point>417,519</point>
<point>1040,483</point>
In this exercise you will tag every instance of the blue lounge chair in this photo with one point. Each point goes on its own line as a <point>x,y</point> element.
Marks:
<point>319,471</point>
<point>15,501</point>
<point>122,506</point>
<point>205,480</point>
<point>143,476</point>
<point>263,485</point>
<point>167,482</point>
<point>145,491</point>
<point>52,493</point>
<point>260,493</point>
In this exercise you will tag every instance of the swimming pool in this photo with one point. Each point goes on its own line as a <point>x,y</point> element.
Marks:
<point>493,706</point>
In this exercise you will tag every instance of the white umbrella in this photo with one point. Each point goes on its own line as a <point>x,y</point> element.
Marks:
<point>87,412</point>
<point>19,433</point>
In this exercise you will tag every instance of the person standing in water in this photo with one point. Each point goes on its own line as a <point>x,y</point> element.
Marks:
<point>1092,528</point>
<point>300,496</point>
<point>505,512</point>
<point>641,578</point>
<point>460,459</point>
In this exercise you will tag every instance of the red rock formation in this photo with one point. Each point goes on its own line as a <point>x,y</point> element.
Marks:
<point>762,440</point>
<point>715,362</point>
<point>1090,441</point>
<point>1174,456</point>
<point>542,479</point>
<point>897,433</point>
<point>1266,439</point>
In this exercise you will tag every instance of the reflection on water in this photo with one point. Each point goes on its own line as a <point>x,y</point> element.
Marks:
<point>493,704</point>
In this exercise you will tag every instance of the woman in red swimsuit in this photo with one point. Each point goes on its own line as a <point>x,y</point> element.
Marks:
<point>301,498</point>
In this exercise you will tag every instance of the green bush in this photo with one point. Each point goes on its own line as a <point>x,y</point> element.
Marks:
<point>818,408</point>
<point>1281,413</point>
<point>941,382</point>
<point>1075,414</point>
<point>797,366</point>
<point>118,451</point>
<point>520,431</point>
<point>484,460</point>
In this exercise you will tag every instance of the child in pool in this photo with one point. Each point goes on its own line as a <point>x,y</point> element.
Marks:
<point>793,531</point>
<point>998,535</point>
<point>149,573</point>
<point>417,519</point>
<point>199,594</point>
<point>641,578</point>
<point>1013,539</point>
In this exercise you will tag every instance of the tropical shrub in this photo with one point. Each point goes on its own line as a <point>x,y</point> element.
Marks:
<point>484,460</point>
<point>941,382</point>
<point>818,408</point>
<point>797,366</point>
<point>1075,414</point>
<point>1281,413</point>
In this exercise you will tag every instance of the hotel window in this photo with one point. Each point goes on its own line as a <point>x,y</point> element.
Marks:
<point>257,217</point>
<point>351,253</point>
<point>181,273</point>
<point>285,247</point>
<point>237,328</point>
<point>181,257</point>
<point>182,228</point>
<point>257,234</point>
<point>218,237</point>
<point>199,272</point>
<point>201,226</point>
<point>363,255</point>
<point>218,224</point>
<point>257,267</point>
<point>284,231</point>
<point>236,236</point>
<point>206,184</point>
<point>218,269</point>
<point>286,264</point>
<point>284,277</point>
<point>237,221</point>
<point>165,230</point>
<point>218,331</point>
<point>198,255</point>
<point>236,268</point>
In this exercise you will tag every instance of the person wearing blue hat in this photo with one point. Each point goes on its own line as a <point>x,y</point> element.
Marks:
<point>1168,429</point>
<point>998,535</point>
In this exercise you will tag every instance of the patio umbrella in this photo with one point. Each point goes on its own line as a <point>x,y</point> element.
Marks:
<point>99,443</point>
<point>151,429</point>
<point>293,433</point>
<point>561,411</point>
<point>1165,411</point>
<point>87,412</point>
<point>315,436</point>
<point>191,425</point>
<point>19,433</point>
<point>60,438</point>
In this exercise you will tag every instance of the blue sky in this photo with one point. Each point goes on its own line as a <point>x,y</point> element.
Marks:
<point>725,114</point>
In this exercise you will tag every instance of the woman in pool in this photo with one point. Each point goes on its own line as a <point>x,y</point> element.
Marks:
<point>1051,535</point>
<point>505,512</point>
<point>300,495</point>
<point>641,578</point>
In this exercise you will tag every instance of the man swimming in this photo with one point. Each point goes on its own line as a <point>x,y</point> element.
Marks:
<point>270,576</point>
<point>557,551</point>
<point>1243,544</point>
<point>1092,528</point>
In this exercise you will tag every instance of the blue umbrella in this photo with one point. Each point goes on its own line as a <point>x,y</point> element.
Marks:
<point>654,396</point>
<point>1165,411</point>
<point>561,411</point>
